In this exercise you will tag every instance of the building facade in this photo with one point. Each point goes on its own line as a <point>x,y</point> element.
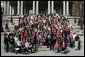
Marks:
<point>35,7</point>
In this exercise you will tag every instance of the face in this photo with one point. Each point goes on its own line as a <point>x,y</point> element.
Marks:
<point>6,36</point>
<point>10,36</point>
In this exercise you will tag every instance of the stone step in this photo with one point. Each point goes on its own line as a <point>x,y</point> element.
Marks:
<point>15,21</point>
<point>4,17</point>
<point>15,17</point>
<point>76,27</point>
<point>81,34</point>
<point>2,33</point>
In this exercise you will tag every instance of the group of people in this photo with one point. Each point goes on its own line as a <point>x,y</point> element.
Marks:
<point>34,31</point>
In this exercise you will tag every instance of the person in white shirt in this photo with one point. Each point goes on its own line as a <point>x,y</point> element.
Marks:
<point>27,44</point>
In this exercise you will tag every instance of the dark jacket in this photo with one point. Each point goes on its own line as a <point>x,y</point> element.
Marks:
<point>76,38</point>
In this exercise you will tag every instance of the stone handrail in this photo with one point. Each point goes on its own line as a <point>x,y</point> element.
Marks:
<point>72,17</point>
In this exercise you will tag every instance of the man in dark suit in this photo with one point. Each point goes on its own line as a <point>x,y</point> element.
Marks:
<point>6,40</point>
<point>11,42</point>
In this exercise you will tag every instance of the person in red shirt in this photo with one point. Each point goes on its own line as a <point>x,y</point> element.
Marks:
<point>58,34</point>
<point>42,36</point>
<point>21,37</point>
<point>71,36</point>
<point>33,35</point>
<point>63,45</point>
<point>25,33</point>
<point>57,46</point>
<point>17,27</point>
<point>27,46</point>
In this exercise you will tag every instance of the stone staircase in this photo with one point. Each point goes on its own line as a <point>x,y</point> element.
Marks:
<point>76,28</point>
<point>7,19</point>
<point>15,19</point>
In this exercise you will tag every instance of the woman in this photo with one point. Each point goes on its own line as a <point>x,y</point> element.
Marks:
<point>40,39</point>
<point>71,38</point>
<point>63,45</point>
<point>27,46</point>
<point>45,36</point>
<point>57,46</point>
<point>17,27</point>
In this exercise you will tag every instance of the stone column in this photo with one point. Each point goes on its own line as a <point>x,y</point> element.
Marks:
<point>67,8</point>
<point>24,9</point>
<point>21,7</point>
<point>4,7</point>
<point>7,7</point>
<point>33,7</point>
<point>64,8</point>
<point>48,7</point>
<point>52,9</point>
<point>10,10</point>
<point>18,7</point>
<point>36,7</point>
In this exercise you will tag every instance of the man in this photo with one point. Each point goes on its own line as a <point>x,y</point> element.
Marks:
<point>40,39</point>
<point>6,27</point>
<point>71,38</point>
<point>11,42</point>
<point>66,33</point>
<point>77,42</point>
<point>2,30</point>
<point>48,40</point>
<point>35,41</point>
<point>54,41</point>
<point>51,41</point>
<point>45,36</point>
<point>6,40</point>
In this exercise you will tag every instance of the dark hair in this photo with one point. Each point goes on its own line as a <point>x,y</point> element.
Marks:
<point>11,20</point>
<point>10,34</point>
<point>14,34</point>
<point>76,37</point>
<point>20,17</point>
<point>6,26</point>
<point>5,35</point>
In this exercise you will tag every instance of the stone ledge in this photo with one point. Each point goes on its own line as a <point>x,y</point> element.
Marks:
<point>2,33</point>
